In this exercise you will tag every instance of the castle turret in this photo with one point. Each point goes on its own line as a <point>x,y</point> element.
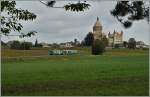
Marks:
<point>97,29</point>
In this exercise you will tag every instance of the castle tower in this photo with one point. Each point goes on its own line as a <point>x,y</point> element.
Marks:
<point>97,30</point>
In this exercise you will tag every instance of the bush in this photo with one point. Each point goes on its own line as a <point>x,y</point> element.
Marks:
<point>21,46</point>
<point>15,45</point>
<point>132,43</point>
<point>98,47</point>
<point>26,46</point>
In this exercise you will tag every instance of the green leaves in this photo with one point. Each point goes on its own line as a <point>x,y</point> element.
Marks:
<point>10,21</point>
<point>133,10</point>
<point>29,34</point>
<point>77,7</point>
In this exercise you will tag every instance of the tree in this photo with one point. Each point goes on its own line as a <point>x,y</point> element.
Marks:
<point>26,45</point>
<point>3,43</point>
<point>125,44</point>
<point>75,41</point>
<point>105,41</point>
<point>98,47</point>
<point>11,16</point>
<point>21,45</point>
<point>36,43</point>
<point>15,45</point>
<point>88,40</point>
<point>132,43</point>
<point>133,10</point>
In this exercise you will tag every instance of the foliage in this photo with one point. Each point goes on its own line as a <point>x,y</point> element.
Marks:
<point>125,43</point>
<point>132,43</point>
<point>36,43</point>
<point>98,47</point>
<point>20,45</point>
<point>15,44</point>
<point>88,40</point>
<point>11,16</point>
<point>3,43</point>
<point>77,6</point>
<point>133,10</point>
<point>105,41</point>
<point>26,45</point>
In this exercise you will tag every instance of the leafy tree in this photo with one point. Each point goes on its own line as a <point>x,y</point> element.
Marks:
<point>26,45</point>
<point>21,46</point>
<point>132,43</point>
<point>88,40</point>
<point>3,43</point>
<point>11,16</point>
<point>105,41</point>
<point>98,47</point>
<point>15,45</point>
<point>133,10</point>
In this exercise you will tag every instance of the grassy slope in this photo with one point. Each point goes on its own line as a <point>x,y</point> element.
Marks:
<point>117,72</point>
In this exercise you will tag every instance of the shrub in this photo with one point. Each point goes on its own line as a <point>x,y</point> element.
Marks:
<point>21,46</point>
<point>15,45</point>
<point>26,46</point>
<point>98,47</point>
<point>132,43</point>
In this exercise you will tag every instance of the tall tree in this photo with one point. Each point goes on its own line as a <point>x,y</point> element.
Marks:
<point>98,47</point>
<point>132,43</point>
<point>11,16</point>
<point>88,40</point>
<point>36,43</point>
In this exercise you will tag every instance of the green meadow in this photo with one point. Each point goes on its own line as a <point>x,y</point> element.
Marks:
<point>121,72</point>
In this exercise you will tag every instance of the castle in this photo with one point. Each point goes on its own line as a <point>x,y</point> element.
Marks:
<point>115,38</point>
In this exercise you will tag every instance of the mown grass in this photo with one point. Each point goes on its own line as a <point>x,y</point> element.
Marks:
<point>117,72</point>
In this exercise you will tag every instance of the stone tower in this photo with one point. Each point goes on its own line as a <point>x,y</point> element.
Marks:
<point>97,30</point>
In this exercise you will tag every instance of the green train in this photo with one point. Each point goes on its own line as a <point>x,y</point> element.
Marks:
<point>63,52</point>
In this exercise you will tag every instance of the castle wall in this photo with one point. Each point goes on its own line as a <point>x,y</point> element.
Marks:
<point>115,38</point>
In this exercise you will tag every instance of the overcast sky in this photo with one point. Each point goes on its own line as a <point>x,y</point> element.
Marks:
<point>57,25</point>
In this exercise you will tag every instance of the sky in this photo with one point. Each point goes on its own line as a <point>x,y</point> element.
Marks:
<point>55,25</point>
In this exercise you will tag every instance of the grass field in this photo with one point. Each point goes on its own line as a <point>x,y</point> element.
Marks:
<point>117,72</point>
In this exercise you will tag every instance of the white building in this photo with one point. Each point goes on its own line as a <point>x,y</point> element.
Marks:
<point>141,44</point>
<point>66,45</point>
<point>45,45</point>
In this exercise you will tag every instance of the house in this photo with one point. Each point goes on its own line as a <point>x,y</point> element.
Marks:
<point>141,44</point>
<point>66,45</point>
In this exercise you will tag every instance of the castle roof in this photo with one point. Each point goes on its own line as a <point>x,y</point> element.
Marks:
<point>97,24</point>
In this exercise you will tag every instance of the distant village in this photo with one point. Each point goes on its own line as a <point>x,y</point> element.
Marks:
<point>115,40</point>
